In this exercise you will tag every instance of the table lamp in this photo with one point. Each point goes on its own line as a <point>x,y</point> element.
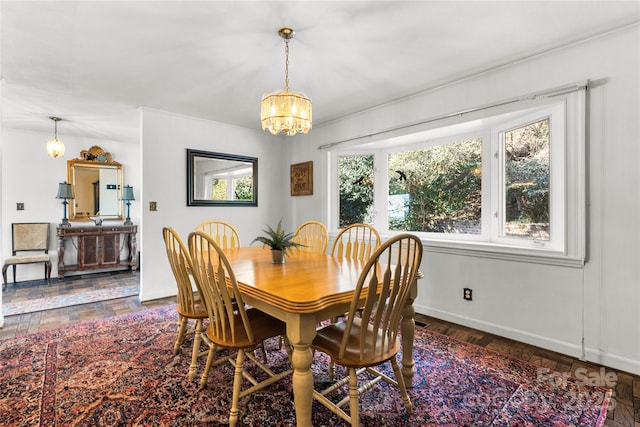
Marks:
<point>127,196</point>
<point>65,192</point>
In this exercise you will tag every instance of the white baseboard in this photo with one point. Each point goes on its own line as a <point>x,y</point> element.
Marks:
<point>611,360</point>
<point>591,355</point>
<point>514,334</point>
<point>156,294</point>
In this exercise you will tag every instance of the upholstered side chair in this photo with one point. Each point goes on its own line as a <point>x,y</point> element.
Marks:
<point>29,245</point>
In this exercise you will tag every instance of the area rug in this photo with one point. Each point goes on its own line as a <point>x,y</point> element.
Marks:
<point>47,303</point>
<point>122,372</point>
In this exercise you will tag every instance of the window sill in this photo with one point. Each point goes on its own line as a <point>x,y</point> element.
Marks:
<point>502,252</point>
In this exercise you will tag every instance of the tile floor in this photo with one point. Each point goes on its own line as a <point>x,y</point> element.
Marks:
<point>625,412</point>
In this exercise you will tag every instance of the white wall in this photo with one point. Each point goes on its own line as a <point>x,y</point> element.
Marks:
<point>165,139</point>
<point>32,177</point>
<point>550,306</point>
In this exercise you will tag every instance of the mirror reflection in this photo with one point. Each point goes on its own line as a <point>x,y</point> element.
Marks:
<point>97,183</point>
<point>221,179</point>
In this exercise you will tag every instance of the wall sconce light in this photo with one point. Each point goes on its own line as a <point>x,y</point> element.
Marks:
<point>55,147</point>
<point>65,192</point>
<point>127,196</point>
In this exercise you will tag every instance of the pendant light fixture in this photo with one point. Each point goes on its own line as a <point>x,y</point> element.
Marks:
<point>55,147</point>
<point>282,110</point>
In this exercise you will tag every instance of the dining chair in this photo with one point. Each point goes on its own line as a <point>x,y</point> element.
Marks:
<point>313,237</point>
<point>225,234</point>
<point>29,245</point>
<point>356,241</point>
<point>227,237</point>
<point>362,342</point>
<point>188,304</point>
<point>232,325</point>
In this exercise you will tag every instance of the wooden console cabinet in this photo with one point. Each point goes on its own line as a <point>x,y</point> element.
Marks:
<point>99,247</point>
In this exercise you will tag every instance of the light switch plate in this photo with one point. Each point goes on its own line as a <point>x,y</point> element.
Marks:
<point>153,206</point>
<point>20,206</point>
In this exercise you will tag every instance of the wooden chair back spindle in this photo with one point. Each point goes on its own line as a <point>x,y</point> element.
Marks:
<point>224,234</point>
<point>356,241</point>
<point>313,236</point>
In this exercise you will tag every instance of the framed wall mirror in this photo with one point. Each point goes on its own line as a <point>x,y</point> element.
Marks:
<point>97,184</point>
<point>218,179</point>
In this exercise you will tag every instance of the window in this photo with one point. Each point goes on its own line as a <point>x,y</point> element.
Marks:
<point>525,151</point>
<point>355,177</point>
<point>436,189</point>
<point>510,183</point>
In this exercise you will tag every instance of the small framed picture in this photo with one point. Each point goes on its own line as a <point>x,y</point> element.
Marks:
<point>302,179</point>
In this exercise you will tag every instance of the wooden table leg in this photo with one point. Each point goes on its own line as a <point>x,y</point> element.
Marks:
<point>301,330</point>
<point>407,328</point>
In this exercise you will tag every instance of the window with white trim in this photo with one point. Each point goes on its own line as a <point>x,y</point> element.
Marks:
<point>505,183</point>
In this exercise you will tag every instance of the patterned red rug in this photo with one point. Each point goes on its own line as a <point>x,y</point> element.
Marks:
<point>122,372</point>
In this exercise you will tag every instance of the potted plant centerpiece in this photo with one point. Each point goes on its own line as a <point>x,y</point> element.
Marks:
<point>278,240</point>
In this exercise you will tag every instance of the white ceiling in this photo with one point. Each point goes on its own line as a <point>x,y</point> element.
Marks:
<point>93,63</point>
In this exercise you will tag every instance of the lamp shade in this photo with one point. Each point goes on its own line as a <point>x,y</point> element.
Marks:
<point>55,148</point>
<point>127,193</point>
<point>65,191</point>
<point>288,112</point>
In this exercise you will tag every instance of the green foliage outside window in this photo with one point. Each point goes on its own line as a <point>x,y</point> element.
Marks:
<point>443,185</point>
<point>527,173</point>
<point>355,182</point>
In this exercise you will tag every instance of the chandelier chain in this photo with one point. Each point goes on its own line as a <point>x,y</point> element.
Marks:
<point>286,65</point>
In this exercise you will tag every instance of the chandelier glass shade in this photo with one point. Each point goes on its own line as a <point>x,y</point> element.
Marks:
<point>55,147</point>
<point>288,112</point>
<point>283,110</point>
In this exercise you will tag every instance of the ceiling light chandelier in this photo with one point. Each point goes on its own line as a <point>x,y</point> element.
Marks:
<point>55,147</point>
<point>282,110</point>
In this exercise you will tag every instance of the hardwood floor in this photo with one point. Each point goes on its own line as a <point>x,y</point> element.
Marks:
<point>624,411</point>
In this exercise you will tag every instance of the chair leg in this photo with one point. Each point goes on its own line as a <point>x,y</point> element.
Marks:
<point>237,383</point>
<point>196,349</point>
<point>354,396</point>
<point>401,385</point>
<point>14,274</point>
<point>207,367</point>
<point>4,276</point>
<point>182,331</point>
<point>47,271</point>
<point>264,352</point>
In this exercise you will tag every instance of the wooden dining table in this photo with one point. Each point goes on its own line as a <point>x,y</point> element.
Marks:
<point>307,289</point>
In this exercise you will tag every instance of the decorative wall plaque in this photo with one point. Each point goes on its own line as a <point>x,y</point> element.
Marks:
<point>302,179</point>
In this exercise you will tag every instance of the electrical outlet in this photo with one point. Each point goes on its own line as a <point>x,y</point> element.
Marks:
<point>153,206</point>
<point>468,294</point>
